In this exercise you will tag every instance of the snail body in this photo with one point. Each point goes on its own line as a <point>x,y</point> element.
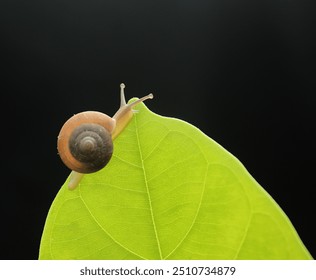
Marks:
<point>85,141</point>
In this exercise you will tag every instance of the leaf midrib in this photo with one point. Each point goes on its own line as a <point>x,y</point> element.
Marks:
<point>147,189</point>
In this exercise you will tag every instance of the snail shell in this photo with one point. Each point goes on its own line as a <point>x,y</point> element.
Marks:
<point>85,142</point>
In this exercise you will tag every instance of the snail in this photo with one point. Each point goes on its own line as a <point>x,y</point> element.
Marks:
<point>85,141</point>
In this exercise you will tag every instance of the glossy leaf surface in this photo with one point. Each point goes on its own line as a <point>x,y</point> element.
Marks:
<point>169,192</point>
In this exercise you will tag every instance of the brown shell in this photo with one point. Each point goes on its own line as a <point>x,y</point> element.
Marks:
<point>66,131</point>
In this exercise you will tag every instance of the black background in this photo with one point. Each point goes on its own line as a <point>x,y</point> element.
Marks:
<point>242,71</point>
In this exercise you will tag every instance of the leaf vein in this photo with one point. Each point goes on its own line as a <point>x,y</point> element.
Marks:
<point>196,215</point>
<point>104,230</point>
<point>147,189</point>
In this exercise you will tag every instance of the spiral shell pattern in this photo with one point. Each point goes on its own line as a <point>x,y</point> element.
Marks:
<point>92,145</point>
<point>85,141</point>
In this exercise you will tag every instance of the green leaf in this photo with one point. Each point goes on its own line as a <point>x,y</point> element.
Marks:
<point>169,192</point>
